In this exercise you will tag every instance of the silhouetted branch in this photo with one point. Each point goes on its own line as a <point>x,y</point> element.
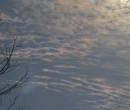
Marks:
<point>7,54</point>
<point>12,102</point>
<point>6,66</point>
<point>9,87</point>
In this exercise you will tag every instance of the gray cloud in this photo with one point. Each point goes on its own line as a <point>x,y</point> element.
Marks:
<point>70,39</point>
<point>91,90</point>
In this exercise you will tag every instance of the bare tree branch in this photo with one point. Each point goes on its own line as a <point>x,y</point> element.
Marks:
<point>12,103</point>
<point>6,66</point>
<point>7,57</point>
<point>19,83</point>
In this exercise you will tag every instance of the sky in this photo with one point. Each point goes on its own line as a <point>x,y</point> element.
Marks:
<point>77,52</point>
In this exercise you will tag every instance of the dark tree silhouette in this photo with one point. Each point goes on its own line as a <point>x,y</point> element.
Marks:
<point>7,65</point>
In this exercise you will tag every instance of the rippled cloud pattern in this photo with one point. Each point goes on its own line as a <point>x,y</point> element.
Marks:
<point>77,48</point>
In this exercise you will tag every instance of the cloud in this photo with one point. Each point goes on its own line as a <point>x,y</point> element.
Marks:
<point>61,29</point>
<point>82,48</point>
<point>91,90</point>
